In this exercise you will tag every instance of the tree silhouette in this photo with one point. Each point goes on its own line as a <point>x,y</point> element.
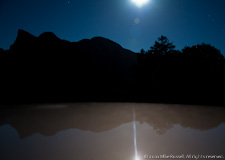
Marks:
<point>64,70</point>
<point>205,54</point>
<point>198,70</point>
<point>142,51</point>
<point>162,47</point>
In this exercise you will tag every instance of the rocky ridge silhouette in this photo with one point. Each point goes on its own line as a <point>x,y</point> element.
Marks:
<point>48,69</point>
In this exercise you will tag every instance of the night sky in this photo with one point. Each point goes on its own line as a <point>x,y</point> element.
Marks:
<point>185,22</point>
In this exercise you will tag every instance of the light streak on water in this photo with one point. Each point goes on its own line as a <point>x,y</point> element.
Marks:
<point>135,135</point>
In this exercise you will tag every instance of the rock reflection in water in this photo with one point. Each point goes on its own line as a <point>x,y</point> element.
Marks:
<point>105,131</point>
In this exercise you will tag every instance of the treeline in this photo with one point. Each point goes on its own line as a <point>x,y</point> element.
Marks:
<point>47,69</point>
<point>194,75</point>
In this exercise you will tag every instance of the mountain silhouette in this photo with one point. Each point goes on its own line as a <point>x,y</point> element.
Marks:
<point>100,117</point>
<point>47,68</point>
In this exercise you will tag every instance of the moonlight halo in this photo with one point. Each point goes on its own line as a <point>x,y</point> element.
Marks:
<point>140,3</point>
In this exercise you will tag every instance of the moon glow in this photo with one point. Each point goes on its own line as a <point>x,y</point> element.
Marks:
<point>140,3</point>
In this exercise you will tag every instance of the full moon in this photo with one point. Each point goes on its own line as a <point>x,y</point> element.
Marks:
<point>140,3</point>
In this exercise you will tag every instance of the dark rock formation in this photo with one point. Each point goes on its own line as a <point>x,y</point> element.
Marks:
<point>49,69</point>
<point>46,68</point>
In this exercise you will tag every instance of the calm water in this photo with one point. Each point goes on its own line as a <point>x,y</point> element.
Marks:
<point>112,131</point>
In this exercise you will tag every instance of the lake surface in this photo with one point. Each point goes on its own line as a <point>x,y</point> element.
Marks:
<point>112,131</point>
